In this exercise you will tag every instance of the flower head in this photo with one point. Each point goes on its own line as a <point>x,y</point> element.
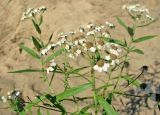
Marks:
<point>101,66</point>
<point>31,12</point>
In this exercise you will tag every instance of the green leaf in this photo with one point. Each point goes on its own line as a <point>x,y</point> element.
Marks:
<point>138,51</point>
<point>121,22</point>
<point>48,113</point>
<point>36,27</point>
<point>39,111</point>
<point>106,106</point>
<point>104,86</point>
<point>55,54</point>
<point>131,80</point>
<point>51,98</point>
<point>109,98</point>
<point>50,38</point>
<point>97,56</point>
<point>119,42</point>
<point>112,40</point>
<point>36,43</point>
<point>85,109</point>
<point>77,70</point>
<point>26,71</point>
<point>40,20</point>
<point>30,51</point>
<point>22,113</point>
<point>131,31</point>
<point>141,39</point>
<point>73,91</point>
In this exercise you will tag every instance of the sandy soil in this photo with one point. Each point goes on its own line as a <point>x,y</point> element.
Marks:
<point>62,15</point>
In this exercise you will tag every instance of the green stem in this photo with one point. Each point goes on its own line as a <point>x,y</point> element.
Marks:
<point>94,91</point>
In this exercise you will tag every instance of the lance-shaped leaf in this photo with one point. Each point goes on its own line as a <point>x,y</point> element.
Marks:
<point>85,109</point>
<point>26,71</point>
<point>131,80</point>
<point>104,86</point>
<point>77,70</point>
<point>138,51</point>
<point>130,30</point>
<point>36,43</point>
<point>112,40</point>
<point>36,27</point>
<point>141,39</point>
<point>30,51</point>
<point>73,91</point>
<point>40,20</point>
<point>106,106</point>
<point>121,22</point>
<point>55,54</point>
<point>50,38</point>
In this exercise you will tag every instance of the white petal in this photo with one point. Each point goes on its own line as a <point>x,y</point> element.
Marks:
<point>48,71</point>
<point>78,51</point>
<point>100,69</point>
<point>117,61</point>
<point>95,67</point>
<point>51,69</point>
<point>92,49</point>
<point>76,42</point>
<point>99,46</point>
<point>114,52</point>
<point>113,62</point>
<point>53,64</point>
<point>71,56</point>
<point>43,52</point>
<point>107,57</point>
<point>49,47</point>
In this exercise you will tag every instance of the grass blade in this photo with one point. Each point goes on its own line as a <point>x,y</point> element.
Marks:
<point>30,51</point>
<point>55,54</point>
<point>141,39</point>
<point>36,43</point>
<point>50,38</point>
<point>106,106</point>
<point>77,70</point>
<point>121,22</point>
<point>73,91</point>
<point>26,71</point>
<point>138,51</point>
<point>131,80</point>
<point>36,27</point>
<point>40,20</point>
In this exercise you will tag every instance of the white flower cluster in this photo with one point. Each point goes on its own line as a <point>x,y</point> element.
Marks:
<point>32,12</point>
<point>109,60</point>
<point>53,45</point>
<point>51,66</point>
<point>101,66</point>
<point>86,41</point>
<point>137,11</point>
<point>110,25</point>
<point>12,95</point>
<point>93,29</point>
